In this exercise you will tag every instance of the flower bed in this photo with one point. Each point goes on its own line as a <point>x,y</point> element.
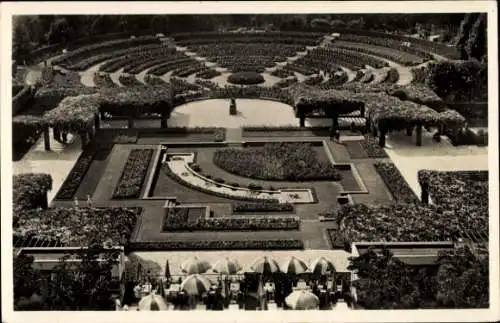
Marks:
<point>262,207</point>
<point>276,161</point>
<point>282,73</point>
<point>290,244</point>
<point>178,222</point>
<point>133,174</point>
<point>75,177</point>
<point>246,78</point>
<point>395,182</point>
<point>373,150</point>
<point>208,73</point>
<point>79,227</point>
<point>286,82</point>
<point>178,179</point>
<point>28,188</point>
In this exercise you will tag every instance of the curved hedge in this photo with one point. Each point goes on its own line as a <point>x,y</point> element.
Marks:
<point>246,78</point>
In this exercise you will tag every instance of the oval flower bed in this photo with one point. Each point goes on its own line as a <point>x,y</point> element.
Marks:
<point>245,78</point>
<point>276,161</point>
<point>133,174</point>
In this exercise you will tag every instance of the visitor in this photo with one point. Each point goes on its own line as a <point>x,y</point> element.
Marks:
<point>89,201</point>
<point>76,201</point>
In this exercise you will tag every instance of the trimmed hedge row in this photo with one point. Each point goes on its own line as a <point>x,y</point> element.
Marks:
<point>396,183</point>
<point>373,150</point>
<point>262,207</point>
<point>246,78</point>
<point>176,223</point>
<point>133,174</point>
<point>290,244</point>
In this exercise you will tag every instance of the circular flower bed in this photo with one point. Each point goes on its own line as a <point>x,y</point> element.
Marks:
<point>246,78</point>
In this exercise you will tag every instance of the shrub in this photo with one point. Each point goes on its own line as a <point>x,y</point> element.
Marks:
<point>134,172</point>
<point>195,167</point>
<point>28,189</point>
<point>219,180</point>
<point>220,135</point>
<point>245,78</point>
<point>276,161</point>
<point>79,227</point>
<point>373,150</point>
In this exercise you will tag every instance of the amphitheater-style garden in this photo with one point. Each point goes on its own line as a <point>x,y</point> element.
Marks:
<point>248,141</point>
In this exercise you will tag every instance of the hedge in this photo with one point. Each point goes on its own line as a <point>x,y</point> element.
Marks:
<point>290,244</point>
<point>262,207</point>
<point>79,227</point>
<point>177,222</point>
<point>245,78</point>
<point>28,189</point>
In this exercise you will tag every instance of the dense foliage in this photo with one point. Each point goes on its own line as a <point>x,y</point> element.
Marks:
<point>79,226</point>
<point>276,161</point>
<point>459,279</point>
<point>133,174</point>
<point>29,190</point>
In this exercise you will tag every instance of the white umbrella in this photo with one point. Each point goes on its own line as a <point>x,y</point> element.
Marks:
<point>195,266</point>
<point>294,266</point>
<point>227,266</point>
<point>265,265</point>
<point>302,300</point>
<point>196,284</point>
<point>322,266</point>
<point>153,302</point>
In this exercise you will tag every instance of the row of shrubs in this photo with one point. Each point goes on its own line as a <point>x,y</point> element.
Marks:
<point>289,244</point>
<point>372,148</point>
<point>134,172</point>
<point>173,223</point>
<point>262,207</point>
<point>395,182</point>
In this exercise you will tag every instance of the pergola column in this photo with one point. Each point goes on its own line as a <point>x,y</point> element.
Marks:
<point>409,131</point>
<point>97,122</point>
<point>419,135</point>
<point>46,138</point>
<point>302,118</point>
<point>57,133</point>
<point>335,124</point>
<point>130,124</point>
<point>374,130</point>
<point>164,120</point>
<point>84,136</point>
<point>381,139</point>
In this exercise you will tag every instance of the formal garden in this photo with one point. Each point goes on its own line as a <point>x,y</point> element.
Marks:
<point>184,144</point>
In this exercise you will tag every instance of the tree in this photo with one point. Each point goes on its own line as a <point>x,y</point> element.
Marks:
<point>385,282</point>
<point>60,32</point>
<point>83,285</point>
<point>476,44</point>
<point>26,279</point>
<point>463,279</point>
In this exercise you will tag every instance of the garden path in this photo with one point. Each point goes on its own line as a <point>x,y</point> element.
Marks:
<point>57,162</point>
<point>87,76</point>
<point>431,155</point>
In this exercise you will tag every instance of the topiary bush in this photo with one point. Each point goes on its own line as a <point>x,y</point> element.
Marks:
<point>246,78</point>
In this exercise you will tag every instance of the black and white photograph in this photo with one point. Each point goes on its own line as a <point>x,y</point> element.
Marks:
<point>296,161</point>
